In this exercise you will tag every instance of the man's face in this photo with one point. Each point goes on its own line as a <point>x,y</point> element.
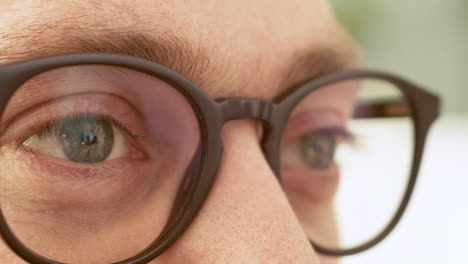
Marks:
<point>231,49</point>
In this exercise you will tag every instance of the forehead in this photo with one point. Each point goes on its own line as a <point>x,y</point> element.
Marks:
<point>248,48</point>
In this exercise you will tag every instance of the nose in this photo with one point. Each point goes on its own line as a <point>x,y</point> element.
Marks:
<point>246,217</point>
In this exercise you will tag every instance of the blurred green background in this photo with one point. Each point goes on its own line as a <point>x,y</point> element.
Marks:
<point>423,40</point>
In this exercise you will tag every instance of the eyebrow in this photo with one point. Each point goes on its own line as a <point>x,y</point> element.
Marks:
<point>168,50</point>
<point>176,53</point>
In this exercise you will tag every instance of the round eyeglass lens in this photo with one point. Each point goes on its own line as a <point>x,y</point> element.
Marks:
<point>345,159</point>
<point>91,159</point>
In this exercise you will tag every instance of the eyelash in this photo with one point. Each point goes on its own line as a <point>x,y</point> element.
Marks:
<point>50,128</point>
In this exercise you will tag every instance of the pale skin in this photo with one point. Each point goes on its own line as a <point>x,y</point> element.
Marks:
<point>253,50</point>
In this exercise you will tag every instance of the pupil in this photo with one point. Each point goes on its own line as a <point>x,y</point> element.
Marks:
<point>319,146</point>
<point>86,139</point>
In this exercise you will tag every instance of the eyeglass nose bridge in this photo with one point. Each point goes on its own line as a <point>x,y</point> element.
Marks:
<point>246,108</point>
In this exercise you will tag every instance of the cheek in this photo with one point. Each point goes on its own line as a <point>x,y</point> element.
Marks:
<point>329,260</point>
<point>42,179</point>
<point>312,186</point>
<point>103,220</point>
<point>7,256</point>
<point>311,194</point>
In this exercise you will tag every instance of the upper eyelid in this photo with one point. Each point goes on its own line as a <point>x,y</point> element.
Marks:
<point>53,78</point>
<point>316,118</point>
<point>37,112</point>
<point>23,95</point>
<point>50,127</point>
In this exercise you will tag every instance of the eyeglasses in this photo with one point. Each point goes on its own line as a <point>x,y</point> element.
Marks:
<point>113,156</point>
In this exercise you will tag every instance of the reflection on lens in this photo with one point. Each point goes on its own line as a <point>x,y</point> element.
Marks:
<point>91,159</point>
<point>345,159</point>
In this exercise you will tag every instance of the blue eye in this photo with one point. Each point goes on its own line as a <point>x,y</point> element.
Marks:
<point>84,138</point>
<point>317,148</point>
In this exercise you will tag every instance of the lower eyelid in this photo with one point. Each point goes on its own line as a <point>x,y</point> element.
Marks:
<point>315,185</point>
<point>70,170</point>
<point>111,179</point>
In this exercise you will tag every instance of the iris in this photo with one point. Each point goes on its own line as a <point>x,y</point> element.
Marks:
<point>318,149</point>
<point>86,139</point>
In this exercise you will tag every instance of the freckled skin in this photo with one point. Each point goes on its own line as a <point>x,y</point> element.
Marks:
<point>247,217</point>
